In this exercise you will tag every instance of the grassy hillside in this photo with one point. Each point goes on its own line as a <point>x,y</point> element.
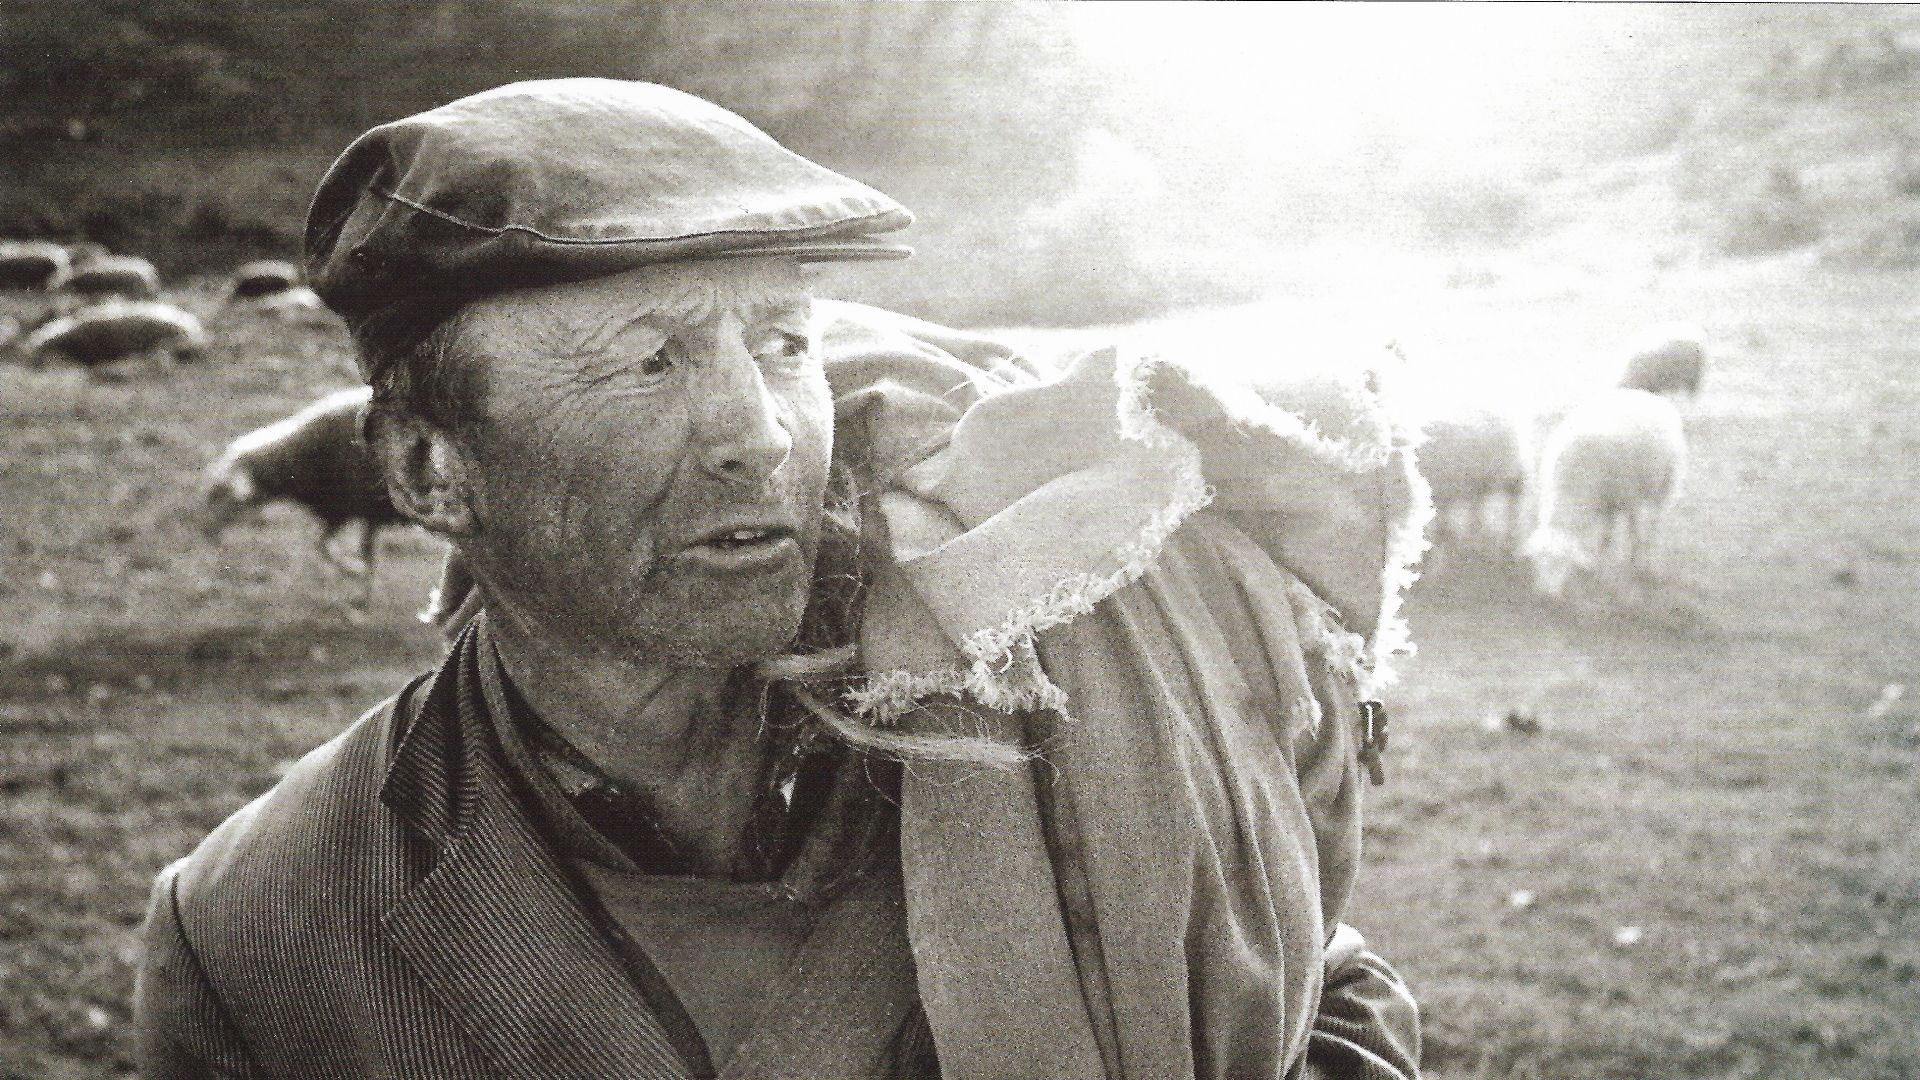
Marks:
<point>1818,148</point>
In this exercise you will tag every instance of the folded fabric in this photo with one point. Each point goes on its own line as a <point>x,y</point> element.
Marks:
<point>1048,495</point>
<point>1168,591</point>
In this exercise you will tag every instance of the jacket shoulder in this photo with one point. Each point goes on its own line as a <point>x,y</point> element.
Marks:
<point>282,861</point>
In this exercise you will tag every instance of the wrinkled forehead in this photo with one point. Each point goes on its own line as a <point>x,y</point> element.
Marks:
<point>575,315</point>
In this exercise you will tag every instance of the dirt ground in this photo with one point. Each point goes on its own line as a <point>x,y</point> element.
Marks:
<point>1702,865</point>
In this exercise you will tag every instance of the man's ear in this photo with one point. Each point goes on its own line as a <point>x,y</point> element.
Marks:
<point>426,473</point>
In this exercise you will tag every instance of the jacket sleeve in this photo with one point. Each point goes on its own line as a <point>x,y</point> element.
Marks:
<point>1368,1027</point>
<point>182,1028</point>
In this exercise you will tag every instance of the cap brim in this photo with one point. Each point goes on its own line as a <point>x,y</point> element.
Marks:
<point>817,251</point>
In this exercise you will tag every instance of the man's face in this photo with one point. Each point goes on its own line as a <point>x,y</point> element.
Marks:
<point>652,452</point>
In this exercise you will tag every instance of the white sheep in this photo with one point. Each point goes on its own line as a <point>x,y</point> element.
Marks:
<point>128,276</point>
<point>1674,364</point>
<point>80,251</point>
<point>298,306</point>
<point>31,264</point>
<point>1474,458</point>
<point>261,278</point>
<point>1608,471</point>
<point>314,459</point>
<point>112,332</point>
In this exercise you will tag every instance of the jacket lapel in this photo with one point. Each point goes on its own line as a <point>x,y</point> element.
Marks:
<point>495,930</point>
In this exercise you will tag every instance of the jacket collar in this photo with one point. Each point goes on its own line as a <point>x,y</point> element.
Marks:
<point>495,929</point>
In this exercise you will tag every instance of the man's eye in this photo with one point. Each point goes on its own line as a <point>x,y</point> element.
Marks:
<point>781,345</point>
<point>655,367</point>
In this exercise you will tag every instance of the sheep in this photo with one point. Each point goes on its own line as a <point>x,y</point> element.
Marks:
<point>31,264</point>
<point>316,459</point>
<point>80,251</point>
<point>266,277</point>
<point>1470,455</point>
<point>1675,364</point>
<point>107,333</point>
<point>128,276</point>
<point>1612,465</point>
<point>298,306</point>
<point>270,289</point>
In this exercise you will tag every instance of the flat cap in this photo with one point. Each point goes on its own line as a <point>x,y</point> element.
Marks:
<point>536,183</point>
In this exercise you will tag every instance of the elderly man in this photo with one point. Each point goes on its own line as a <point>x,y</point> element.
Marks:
<point>735,556</point>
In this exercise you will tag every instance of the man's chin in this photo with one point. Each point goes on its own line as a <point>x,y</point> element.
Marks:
<point>709,651</point>
<point>693,620</point>
<point>733,636</point>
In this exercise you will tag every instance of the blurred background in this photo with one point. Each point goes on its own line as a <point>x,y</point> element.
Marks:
<point>1117,159</point>
<point>1658,825</point>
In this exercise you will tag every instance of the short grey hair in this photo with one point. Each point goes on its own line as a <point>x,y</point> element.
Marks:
<point>417,366</point>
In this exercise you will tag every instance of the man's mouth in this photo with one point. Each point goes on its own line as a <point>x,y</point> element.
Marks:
<point>740,538</point>
<point>743,548</point>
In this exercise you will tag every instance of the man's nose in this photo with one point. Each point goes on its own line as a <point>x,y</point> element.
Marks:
<point>739,424</point>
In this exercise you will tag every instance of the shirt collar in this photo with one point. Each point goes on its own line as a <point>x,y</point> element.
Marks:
<point>848,802</point>
<point>550,771</point>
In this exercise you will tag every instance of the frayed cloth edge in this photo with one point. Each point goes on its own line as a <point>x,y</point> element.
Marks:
<point>1244,406</point>
<point>1003,673</point>
<point>882,698</point>
<point>1405,549</point>
<point>993,648</point>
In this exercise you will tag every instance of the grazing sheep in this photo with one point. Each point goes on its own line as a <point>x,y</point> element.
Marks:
<point>1674,365</point>
<point>128,276</point>
<point>265,277</point>
<point>1471,455</point>
<point>108,333</point>
<point>31,264</point>
<point>298,306</point>
<point>314,458</point>
<point>1610,467</point>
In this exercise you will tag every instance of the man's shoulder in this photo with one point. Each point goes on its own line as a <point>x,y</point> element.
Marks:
<point>293,836</point>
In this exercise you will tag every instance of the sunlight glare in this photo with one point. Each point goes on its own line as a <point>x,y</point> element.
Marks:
<point>1331,80</point>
